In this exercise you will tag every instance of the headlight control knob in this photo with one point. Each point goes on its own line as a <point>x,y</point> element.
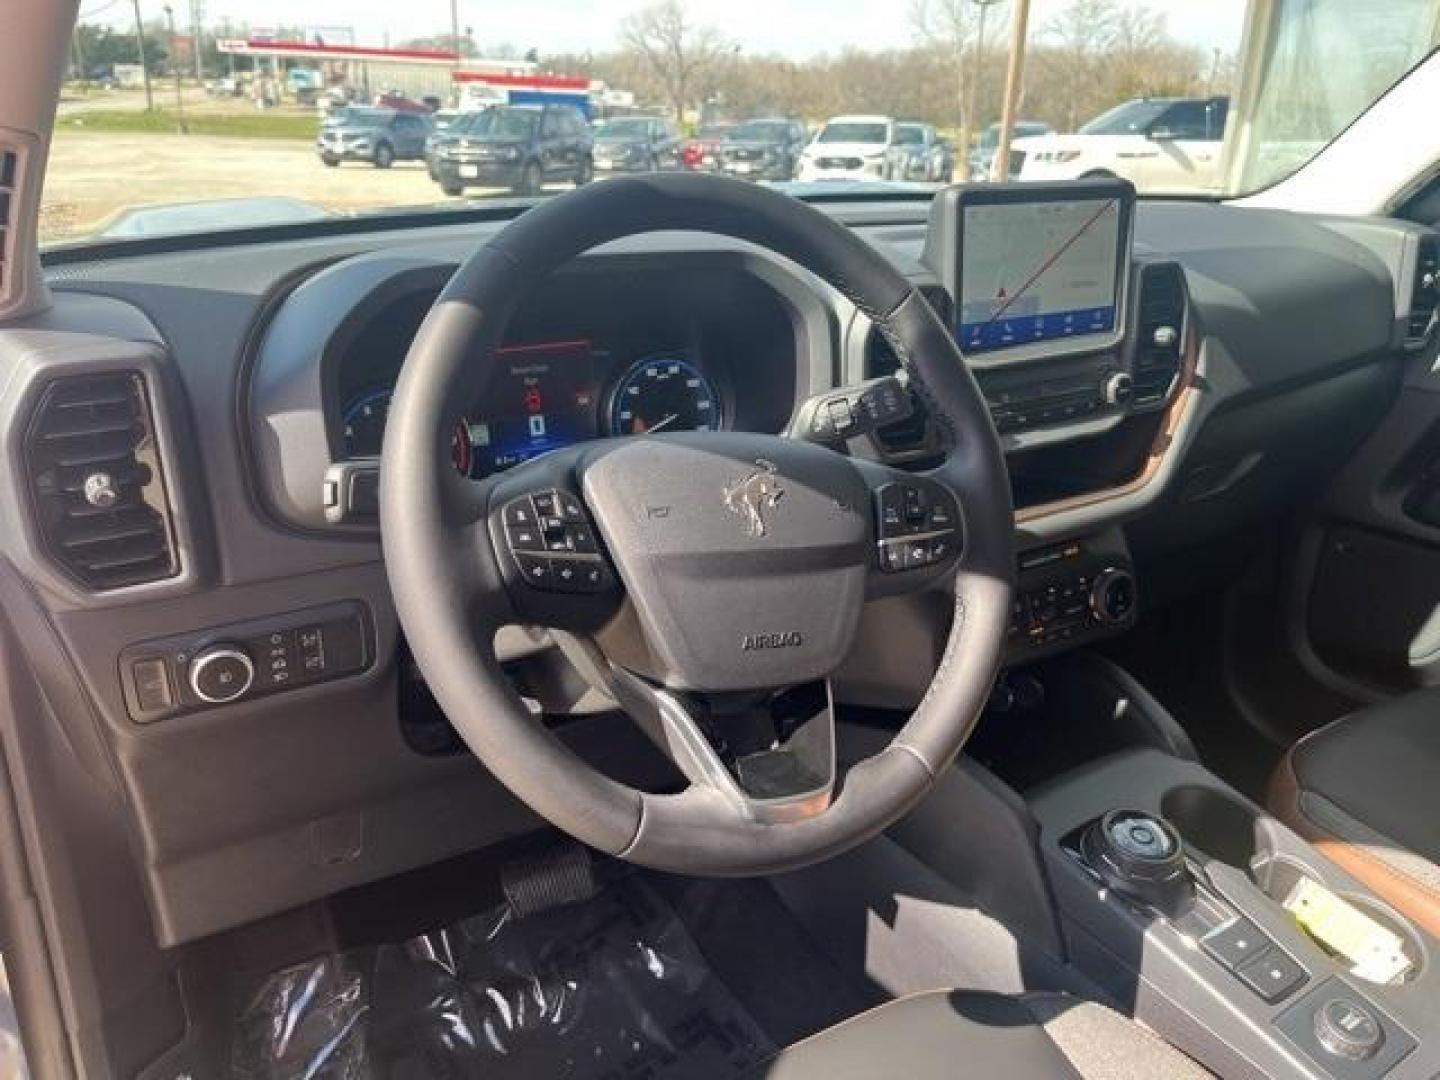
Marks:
<point>221,673</point>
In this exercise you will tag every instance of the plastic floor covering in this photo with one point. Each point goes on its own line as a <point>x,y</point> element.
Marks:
<point>613,988</point>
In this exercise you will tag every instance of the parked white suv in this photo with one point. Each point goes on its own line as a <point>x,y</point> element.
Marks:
<point>1158,144</point>
<point>848,148</point>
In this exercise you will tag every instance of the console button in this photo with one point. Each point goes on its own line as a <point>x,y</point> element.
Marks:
<point>1347,1029</point>
<point>1235,943</point>
<point>277,663</point>
<point>152,684</point>
<point>891,498</point>
<point>545,504</point>
<point>1272,975</point>
<point>593,576</point>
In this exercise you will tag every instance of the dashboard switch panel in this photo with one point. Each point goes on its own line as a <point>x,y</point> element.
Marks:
<point>221,665</point>
<point>1070,594</point>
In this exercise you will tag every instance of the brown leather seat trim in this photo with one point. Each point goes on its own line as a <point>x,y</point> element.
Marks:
<point>1412,898</point>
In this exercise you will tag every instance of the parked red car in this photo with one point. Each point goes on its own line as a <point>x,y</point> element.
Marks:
<point>699,153</point>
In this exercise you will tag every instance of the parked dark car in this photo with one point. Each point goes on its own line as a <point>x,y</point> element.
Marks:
<point>522,147</point>
<point>636,144</point>
<point>763,149</point>
<point>379,136</point>
<point>920,154</point>
<point>982,157</point>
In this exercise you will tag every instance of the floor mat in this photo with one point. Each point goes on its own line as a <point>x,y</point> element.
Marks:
<point>614,988</point>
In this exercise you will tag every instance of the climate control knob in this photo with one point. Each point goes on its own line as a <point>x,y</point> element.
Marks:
<point>1112,597</point>
<point>1118,388</point>
<point>221,673</point>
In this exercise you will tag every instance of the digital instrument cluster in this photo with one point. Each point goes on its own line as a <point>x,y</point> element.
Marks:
<point>545,395</point>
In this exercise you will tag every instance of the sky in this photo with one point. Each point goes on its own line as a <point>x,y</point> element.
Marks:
<point>796,28</point>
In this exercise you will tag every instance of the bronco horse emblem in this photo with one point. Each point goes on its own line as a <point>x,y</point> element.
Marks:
<point>751,497</point>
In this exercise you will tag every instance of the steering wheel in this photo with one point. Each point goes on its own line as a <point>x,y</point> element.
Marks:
<point>698,572</point>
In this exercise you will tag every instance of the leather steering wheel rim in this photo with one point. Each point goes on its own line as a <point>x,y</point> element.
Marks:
<point>438,561</point>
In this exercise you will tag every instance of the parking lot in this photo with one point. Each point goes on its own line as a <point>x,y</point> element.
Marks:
<point>94,175</point>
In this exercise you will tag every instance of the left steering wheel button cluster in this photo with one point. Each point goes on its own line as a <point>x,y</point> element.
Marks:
<point>552,540</point>
<point>917,525</point>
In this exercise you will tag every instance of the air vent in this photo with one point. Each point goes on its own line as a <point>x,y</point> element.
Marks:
<point>96,481</point>
<point>1159,332</point>
<point>1424,294</point>
<point>912,433</point>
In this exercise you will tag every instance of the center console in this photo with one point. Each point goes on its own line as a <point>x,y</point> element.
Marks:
<point>1179,897</point>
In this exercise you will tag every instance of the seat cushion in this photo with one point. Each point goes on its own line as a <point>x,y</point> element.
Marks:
<point>1366,791</point>
<point>959,1033</point>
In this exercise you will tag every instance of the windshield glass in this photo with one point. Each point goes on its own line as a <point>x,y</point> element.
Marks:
<point>852,132</point>
<point>763,131</point>
<point>1127,119</point>
<point>205,117</point>
<point>624,129</point>
<point>504,123</point>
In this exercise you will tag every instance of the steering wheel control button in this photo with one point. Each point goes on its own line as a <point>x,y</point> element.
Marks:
<point>1235,944</point>
<point>221,673</point>
<point>520,512</point>
<point>1273,975</point>
<point>1348,1029</point>
<point>916,523</point>
<point>554,544</point>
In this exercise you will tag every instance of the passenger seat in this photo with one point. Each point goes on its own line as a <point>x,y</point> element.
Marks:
<point>1365,791</point>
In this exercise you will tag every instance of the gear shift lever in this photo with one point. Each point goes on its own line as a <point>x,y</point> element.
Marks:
<point>1142,857</point>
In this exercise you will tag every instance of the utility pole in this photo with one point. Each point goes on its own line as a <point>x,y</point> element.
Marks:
<point>972,111</point>
<point>144,63</point>
<point>455,29</point>
<point>1014,73</point>
<point>197,38</point>
<point>175,70</point>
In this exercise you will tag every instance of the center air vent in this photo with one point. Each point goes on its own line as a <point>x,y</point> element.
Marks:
<point>1159,332</point>
<point>96,481</point>
<point>1424,294</point>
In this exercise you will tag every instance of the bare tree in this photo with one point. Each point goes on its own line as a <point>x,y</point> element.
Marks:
<point>680,54</point>
<point>950,29</point>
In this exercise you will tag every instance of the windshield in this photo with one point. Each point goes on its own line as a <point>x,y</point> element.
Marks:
<point>765,131</point>
<point>504,123</point>
<point>1129,119</point>
<point>624,129</point>
<point>852,132</point>
<point>204,117</point>
<point>368,118</point>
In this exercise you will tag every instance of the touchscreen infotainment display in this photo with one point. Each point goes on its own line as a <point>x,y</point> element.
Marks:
<point>1041,271</point>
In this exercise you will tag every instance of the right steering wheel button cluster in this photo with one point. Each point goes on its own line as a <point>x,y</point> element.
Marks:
<point>917,524</point>
<point>551,537</point>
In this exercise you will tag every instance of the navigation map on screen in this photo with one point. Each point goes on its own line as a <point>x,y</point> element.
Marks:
<point>1038,271</point>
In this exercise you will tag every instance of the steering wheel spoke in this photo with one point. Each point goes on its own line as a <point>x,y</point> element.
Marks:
<point>770,757</point>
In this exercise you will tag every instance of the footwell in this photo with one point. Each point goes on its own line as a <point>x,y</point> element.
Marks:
<point>613,988</point>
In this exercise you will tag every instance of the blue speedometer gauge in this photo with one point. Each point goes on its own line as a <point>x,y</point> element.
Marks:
<point>664,393</point>
<point>364,420</point>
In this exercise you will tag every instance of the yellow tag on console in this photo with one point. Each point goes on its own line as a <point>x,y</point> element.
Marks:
<point>1375,954</point>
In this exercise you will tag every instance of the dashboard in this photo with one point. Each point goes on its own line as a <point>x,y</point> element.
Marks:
<point>259,376</point>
